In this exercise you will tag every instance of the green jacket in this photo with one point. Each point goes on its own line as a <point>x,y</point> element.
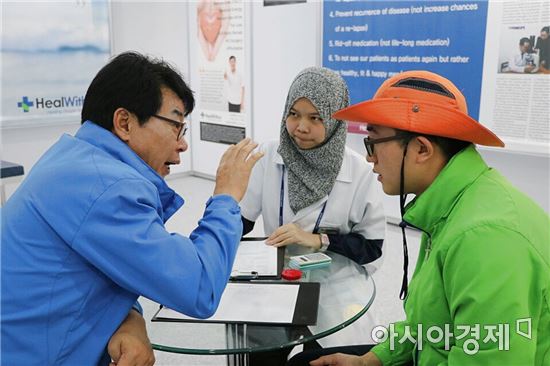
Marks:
<point>487,263</point>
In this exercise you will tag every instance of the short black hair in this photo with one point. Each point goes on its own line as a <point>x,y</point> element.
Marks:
<point>449,146</point>
<point>523,40</point>
<point>545,29</point>
<point>232,58</point>
<point>132,81</point>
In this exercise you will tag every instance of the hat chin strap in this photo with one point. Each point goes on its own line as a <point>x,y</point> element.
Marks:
<point>403,225</point>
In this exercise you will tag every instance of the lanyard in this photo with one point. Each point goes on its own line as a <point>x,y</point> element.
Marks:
<point>281,205</point>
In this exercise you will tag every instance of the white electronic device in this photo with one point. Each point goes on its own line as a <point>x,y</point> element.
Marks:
<point>311,260</point>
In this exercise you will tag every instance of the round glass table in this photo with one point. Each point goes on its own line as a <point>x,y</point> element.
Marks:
<point>346,293</point>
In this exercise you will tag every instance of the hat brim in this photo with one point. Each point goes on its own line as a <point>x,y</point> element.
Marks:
<point>421,117</point>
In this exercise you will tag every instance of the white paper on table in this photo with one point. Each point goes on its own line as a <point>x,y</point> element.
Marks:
<point>255,256</point>
<point>250,303</point>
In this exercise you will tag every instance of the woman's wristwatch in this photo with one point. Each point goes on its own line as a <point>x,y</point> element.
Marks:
<point>325,242</point>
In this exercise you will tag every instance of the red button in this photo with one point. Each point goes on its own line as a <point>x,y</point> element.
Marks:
<point>291,274</point>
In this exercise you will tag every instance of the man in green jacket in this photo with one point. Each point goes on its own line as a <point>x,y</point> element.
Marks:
<point>480,294</point>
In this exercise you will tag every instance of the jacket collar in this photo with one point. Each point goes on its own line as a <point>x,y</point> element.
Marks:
<point>438,200</point>
<point>344,175</point>
<point>108,142</point>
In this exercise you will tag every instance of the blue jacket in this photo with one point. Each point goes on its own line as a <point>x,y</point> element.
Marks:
<point>83,236</point>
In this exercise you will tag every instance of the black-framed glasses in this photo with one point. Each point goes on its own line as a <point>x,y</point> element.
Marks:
<point>369,143</point>
<point>181,126</point>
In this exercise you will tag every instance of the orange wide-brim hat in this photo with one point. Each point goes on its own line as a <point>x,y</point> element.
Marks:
<point>421,102</point>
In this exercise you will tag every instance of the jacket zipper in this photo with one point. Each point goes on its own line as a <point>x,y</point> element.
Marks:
<point>427,251</point>
<point>428,247</point>
<point>428,243</point>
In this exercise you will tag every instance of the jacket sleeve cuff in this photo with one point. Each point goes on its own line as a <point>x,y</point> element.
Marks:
<point>137,307</point>
<point>223,201</point>
<point>383,354</point>
<point>389,357</point>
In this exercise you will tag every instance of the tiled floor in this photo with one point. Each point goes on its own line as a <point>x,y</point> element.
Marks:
<point>386,308</point>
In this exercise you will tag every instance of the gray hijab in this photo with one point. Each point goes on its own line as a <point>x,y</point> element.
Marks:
<point>312,172</point>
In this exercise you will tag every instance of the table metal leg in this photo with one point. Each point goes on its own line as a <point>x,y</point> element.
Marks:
<point>237,338</point>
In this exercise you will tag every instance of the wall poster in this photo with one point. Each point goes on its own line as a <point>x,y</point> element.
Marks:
<point>222,69</point>
<point>50,52</point>
<point>496,52</point>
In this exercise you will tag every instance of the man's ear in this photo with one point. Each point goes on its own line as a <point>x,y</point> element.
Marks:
<point>121,124</point>
<point>425,149</point>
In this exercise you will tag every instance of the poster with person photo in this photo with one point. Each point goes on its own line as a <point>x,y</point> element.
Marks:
<point>221,70</point>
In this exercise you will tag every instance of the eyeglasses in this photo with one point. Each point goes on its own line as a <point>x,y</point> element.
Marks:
<point>369,143</point>
<point>181,126</point>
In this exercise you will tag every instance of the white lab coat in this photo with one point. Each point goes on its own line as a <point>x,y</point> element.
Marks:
<point>354,204</point>
<point>521,60</point>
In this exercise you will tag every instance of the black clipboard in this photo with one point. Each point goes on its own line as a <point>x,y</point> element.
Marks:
<point>305,311</point>
<point>253,275</point>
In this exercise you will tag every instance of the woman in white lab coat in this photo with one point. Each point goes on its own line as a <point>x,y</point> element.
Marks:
<point>313,192</point>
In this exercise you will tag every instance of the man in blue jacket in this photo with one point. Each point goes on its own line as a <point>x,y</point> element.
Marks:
<point>83,236</point>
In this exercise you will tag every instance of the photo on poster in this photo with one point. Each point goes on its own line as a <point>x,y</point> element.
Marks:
<point>213,19</point>
<point>524,49</point>
<point>234,86</point>
<point>50,53</point>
